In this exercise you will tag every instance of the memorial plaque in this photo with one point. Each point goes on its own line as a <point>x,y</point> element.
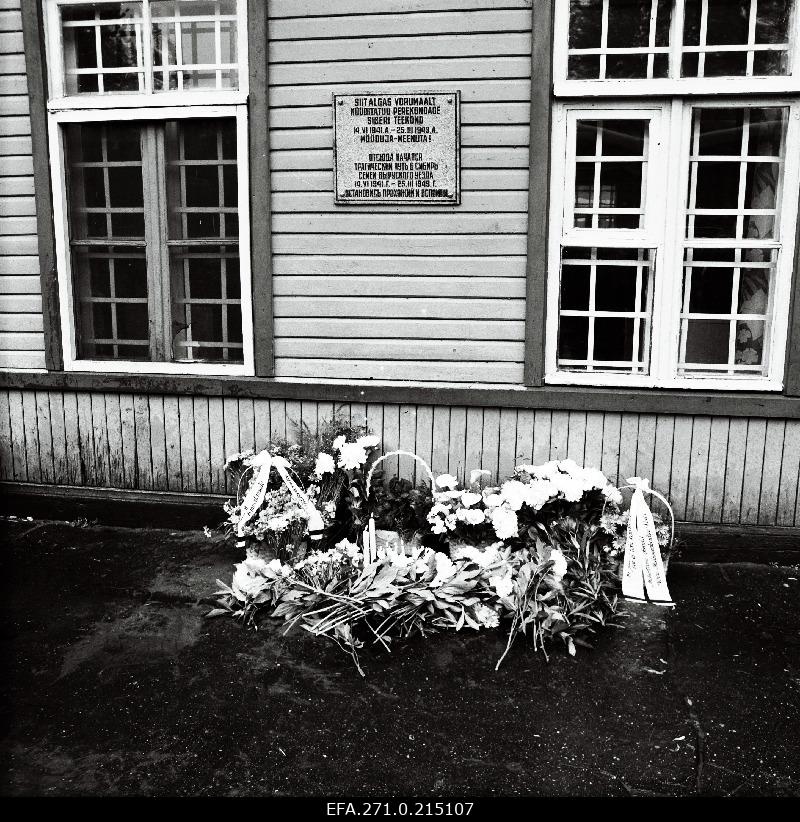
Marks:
<point>397,148</point>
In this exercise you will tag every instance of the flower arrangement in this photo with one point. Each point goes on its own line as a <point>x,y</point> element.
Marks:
<point>328,466</point>
<point>340,595</point>
<point>534,494</point>
<point>615,523</point>
<point>538,554</point>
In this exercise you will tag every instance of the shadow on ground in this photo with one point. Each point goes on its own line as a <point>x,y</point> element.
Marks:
<point>114,684</point>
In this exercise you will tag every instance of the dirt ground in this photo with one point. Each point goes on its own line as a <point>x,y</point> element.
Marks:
<point>115,684</point>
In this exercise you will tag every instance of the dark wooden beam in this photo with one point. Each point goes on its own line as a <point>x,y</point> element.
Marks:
<point>792,373</point>
<point>538,191</point>
<point>36,69</point>
<point>565,398</point>
<point>260,208</point>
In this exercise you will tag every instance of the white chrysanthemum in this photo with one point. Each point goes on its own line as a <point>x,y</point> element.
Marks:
<point>570,467</point>
<point>504,522</point>
<point>351,456</point>
<point>444,569</point>
<point>560,566</point>
<point>278,523</point>
<point>447,481</point>
<point>339,442</point>
<point>539,492</point>
<point>243,456</point>
<point>546,470</point>
<point>486,616</point>
<point>503,583</point>
<point>613,494</point>
<point>594,478</point>
<point>483,557</point>
<point>475,516</point>
<point>348,548</point>
<point>569,488</point>
<point>249,577</point>
<point>325,464</point>
<point>368,441</point>
<point>469,498</point>
<point>513,492</point>
<point>492,500</point>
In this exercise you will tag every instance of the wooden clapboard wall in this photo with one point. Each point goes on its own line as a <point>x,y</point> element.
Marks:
<point>398,292</point>
<point>714,470</point>
<point>21,337</point>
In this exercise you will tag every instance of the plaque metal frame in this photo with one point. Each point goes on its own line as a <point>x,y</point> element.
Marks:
<point>414,203</point>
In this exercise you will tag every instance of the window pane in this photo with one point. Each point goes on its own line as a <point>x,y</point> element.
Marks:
<point>618,39</point>
<point>194,44</point>
<point>103,50</point>
<point>610,175</point>
<point>106,204</point>
<point>605,309</point>
<point>736,38</point>
<point>202,194</point>
<point>630,39</point>
<point>111,302</point>
<point>735,171</point>
<point>726,310</point>
<point>105,181</point>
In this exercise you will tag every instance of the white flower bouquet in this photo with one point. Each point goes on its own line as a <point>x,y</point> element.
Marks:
<point>538,554</point>
<point>327,467</point>
<point>404,590</point>
<point>533,494</point>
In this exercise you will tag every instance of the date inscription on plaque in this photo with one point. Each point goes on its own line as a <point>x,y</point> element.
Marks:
<point>397,148</point>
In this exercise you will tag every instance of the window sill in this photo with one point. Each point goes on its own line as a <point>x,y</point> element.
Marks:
<point>167,99</point>
<point>692,86</point>
<point>550,397</point>
<point>158,369</point>
<point>633,383</point>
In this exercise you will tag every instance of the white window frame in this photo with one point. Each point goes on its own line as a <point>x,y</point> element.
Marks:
<point>670,209</point>
<point>153,107</point>
<point>563,233</point>
<point>58,99</point>
<point>674,83</point>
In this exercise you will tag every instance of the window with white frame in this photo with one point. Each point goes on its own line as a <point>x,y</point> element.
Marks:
<point>673,207</point>
<point>676,42</point>
<point>148,131</point>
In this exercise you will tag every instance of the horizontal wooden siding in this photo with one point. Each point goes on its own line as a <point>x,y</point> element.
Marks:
<point>21,337</point>
<point>715,470</point>
<point>398,292</point>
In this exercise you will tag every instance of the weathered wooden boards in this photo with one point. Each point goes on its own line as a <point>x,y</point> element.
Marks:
<point>713,469</point>
<point>439,291</point>
<point>21,337</point>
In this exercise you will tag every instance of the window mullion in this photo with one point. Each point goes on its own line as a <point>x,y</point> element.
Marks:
<point>676,39</point>
<point>669,262</point>
<point>604,40</point>
<point>701,56</point>
<point>155,202</point>
<point>146,51</point>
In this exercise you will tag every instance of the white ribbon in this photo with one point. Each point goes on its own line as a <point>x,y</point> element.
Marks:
<point>263,463</point>
<point>643,570</point>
